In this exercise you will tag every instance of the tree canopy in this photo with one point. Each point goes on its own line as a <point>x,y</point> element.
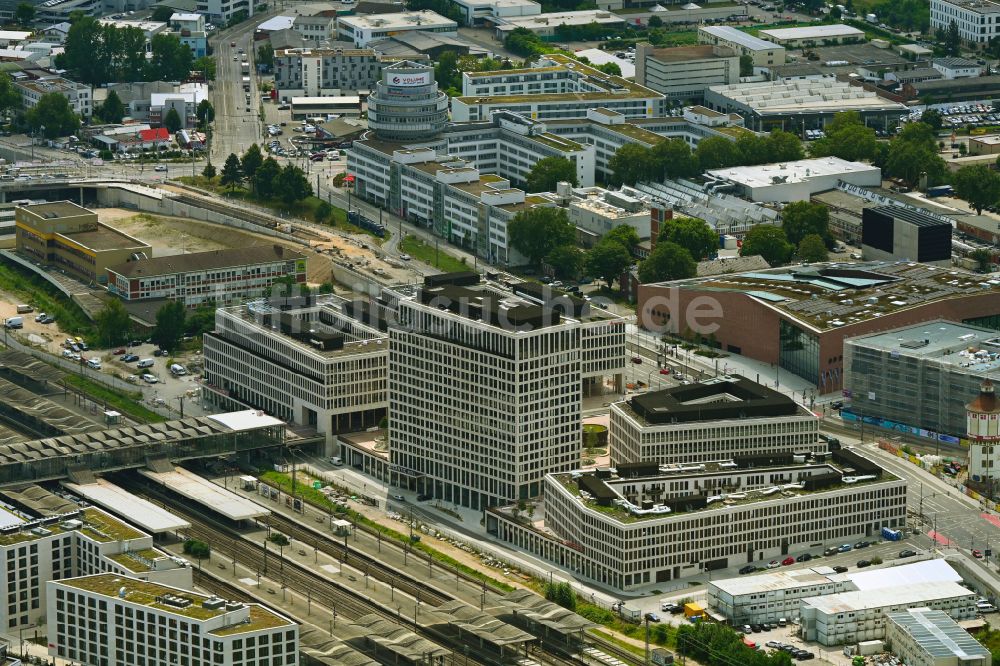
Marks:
<point>292,184</point>
<point>715,152</point>
<point>99,54</point>
<point>537,231</point>
<point>847,138</point>
<point>667,261</point>
<point>266,176</point>
<point>915,151</point>
<point>566,261</point>
<point>769,242</point>
<point>170,325</point>
<point>693,234</point>
<point>979,185</point>
<point>170,60</point>
<point>113,324</point>
<point>112,110</point>
<point>54,113</point>
<point>251,161</point>
<point>803,218</point>
<point>608,260</point>
<point>548,171</point>
<point>172,121</point>
<point>812,248</point>
<point>626,235</point>
<point>631,164</point>
<point>232,172</point>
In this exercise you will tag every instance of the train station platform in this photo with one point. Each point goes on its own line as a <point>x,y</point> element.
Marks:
<point>206,493</point>
<point>117,500</point>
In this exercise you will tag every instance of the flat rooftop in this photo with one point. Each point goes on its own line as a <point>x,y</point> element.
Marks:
<point>582,17</point>
<point>207,261</point>
<point>968,348</point>
<point>978,6</point>
<point>206,493</point>
<point>805,95</point>
<point>153,595</point>
<point>801,171</point>
<point>104,238</point>
<point>938,635</point>
<point>813,32</point>
<point>832,295</point>
<point>97,525</point>
<point>711,400</point>
<point>420,20</point>
<point>57,209</point>
<point>915,593</point>
<point>152,518</point>
<point>686,53</point>
<point>738,36</point>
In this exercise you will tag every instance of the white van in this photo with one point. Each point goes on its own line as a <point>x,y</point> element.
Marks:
<point>145,363</point>
<point>14,322</point>
<point>177,369</point>
<point>94,363</point>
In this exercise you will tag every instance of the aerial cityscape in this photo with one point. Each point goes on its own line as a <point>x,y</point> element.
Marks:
<point>500,332</point>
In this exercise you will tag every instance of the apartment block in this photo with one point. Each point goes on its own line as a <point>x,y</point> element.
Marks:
<point>77,94</point>
<point>719,419</point>
<point>318,72</point>
<point>316,27</point>
<point>485,385</point>
<point>80,542</point>
<point>643,523</point>
<point>216,277</point>
<point>301,360</point>
<point>119,620</point>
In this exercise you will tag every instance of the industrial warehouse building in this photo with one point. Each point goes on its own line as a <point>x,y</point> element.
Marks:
<point>799,180</point>
<point>925,637</point>
<point>713,420</point>
<point>637,524</point>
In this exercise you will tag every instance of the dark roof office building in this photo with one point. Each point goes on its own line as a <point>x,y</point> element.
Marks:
<point>894,233</point>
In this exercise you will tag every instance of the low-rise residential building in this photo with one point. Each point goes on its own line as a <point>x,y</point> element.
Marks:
<point>926,637</point>
<point>645,523</point>
<point>190,29</point>
<point>120,620</point>
<point>304,361</point>
<point>211,277</point>
<point>67,236</point>
<point>813,35</point>
<point>957,68</point>
<point>77,94</point>
<point>852,617</point>
<point>717,419</point>
<point>684,72</point>
<point>978,21</point>
<point>544,25</point>
<point>763,52</point>
<point>364,29</point>
<point>316,27</point>
<point>555,87</point>
<point>478,12</point>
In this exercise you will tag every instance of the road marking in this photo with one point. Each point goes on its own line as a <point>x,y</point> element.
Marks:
<point>940,538</point>
<point>991,518</point>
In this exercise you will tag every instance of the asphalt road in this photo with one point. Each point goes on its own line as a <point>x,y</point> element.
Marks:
<point>235,127</point>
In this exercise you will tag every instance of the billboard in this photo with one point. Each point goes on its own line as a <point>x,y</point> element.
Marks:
<point>409,80</point>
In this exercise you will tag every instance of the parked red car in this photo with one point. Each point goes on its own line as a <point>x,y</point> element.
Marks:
<point>787,561</point>
<point>119,351</point>
<point>664,371</point>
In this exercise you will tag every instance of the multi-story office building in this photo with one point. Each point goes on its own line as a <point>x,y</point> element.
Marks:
<point>478,12</point>
<point>77,94</point>
<point>406,104</point>
<point>556,87</point>
<point>369,28</point>
<point>80,543</point>
<point>223,10</point>
<point>217,276</point>
<point>485,385</point>
<point>764,53</point>
<point>978,21</point>
<point>115,620</point>
<point>921,377</point>
<point>925,637</point>
<point>718,419</point>
<point>643,523</point>
<point>69,236</point>
<point>852,617</point>
<point>683,73</point>
<point>319,72</point>
<point>303,361</point>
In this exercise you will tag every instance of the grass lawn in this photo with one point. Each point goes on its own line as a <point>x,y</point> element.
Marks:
<point>439,258</point>
<point>127,403</point>
<point>32,289</point>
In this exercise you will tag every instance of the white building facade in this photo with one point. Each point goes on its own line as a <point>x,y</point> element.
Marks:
<point>978,21</point>
<point>369,28</point>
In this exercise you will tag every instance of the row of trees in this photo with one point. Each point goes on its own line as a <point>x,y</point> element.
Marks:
<point>99,54</point>
<point>267,178</point>
<point>804,232</point>
<point>718,645</point>
<point>173,322</point>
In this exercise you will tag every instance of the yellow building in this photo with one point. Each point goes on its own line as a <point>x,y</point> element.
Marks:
<point>68,236</point>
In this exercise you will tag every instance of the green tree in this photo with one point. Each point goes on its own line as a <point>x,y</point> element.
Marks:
<point>608,260</point>
<point>537,231</point>
<point>267,177</point>
<point>847,138</point>
<point>933,118</point>
<point>610,68</point>
<point>200,321</point>
<point>113,324</point>
<point>655,21</point>
<point>170,60</point>
<point>172,121</point>
<point>251,161</point>
<point>716,152</point>
<point>24,14</point>
<point>561,594</point>
<point>983,259</point>
<point>548,171</point>
<point>161,14</point>
<point>674,159</point>
<point>565,260</point>
<point>208,171</point>
<point>914,151</point>
<point>170,325</point>
<point>84,55</point>
<point>813,249</point>
<point>746,65</point>
<point>803,218</point>
<point>292,184</point>
<point>693,234</point>
<point>667,261</point>
<point>205,113</point>
<point>632,163</point>
<point>626,235</point>
<point>205,65</point>
<point>979,185</point>
<point>112,110</point>
<point>769,242</point>
<point>232,172</point>
<point>54,113</point>
<point>197,549</point>
<point>953,40</point>
<point>783,147</point>
<point>10,98</point>
<point>265,56</point>
<point>446,71</point>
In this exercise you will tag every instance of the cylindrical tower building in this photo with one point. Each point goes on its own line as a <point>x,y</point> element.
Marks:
<point>406,104</point>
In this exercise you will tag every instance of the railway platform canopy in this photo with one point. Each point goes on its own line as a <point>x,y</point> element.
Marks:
<point>320,649</point>
<point>105,450</point>
<point>204,492</point>
<point>477,627</point>
<point>550,621</point>
<point>150,517</point>
<point>398,643</point>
